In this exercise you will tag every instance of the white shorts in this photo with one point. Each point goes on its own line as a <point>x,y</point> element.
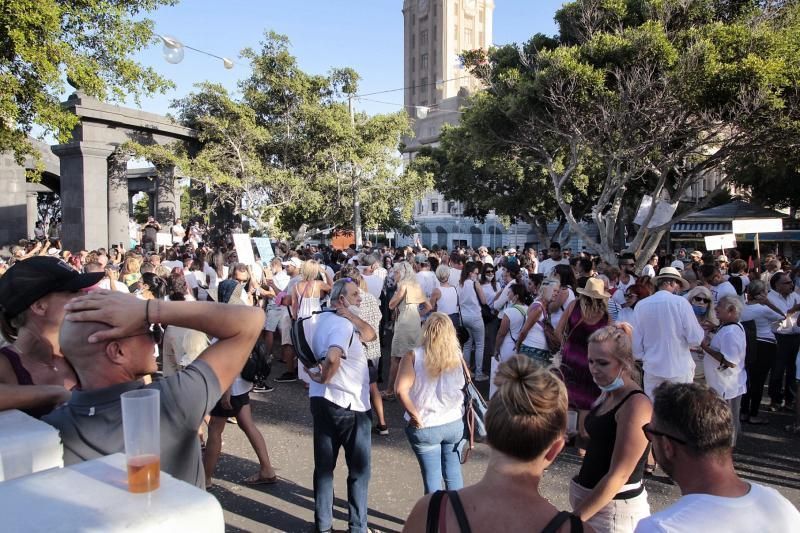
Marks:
<point>278,320</point>
<point>651,382</point>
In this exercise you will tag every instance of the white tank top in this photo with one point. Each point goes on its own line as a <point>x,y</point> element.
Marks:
<point>448,302</point>
<point>438,400</point>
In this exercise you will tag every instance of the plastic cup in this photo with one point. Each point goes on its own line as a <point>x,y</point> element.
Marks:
<point>572,422</point>
<point>141,424</point>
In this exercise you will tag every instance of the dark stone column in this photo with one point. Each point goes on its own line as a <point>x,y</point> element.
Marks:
<point>168,204</point>
<point>13,204</point>
<point>32,212</point>
<point>84,194</point>
<point>118,198</point>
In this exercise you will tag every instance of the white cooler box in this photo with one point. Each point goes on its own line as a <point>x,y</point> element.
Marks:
<point>27,445</point>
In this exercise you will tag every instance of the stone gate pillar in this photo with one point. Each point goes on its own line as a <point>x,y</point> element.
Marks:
<point>32,212</point>
<point>84,194</point>
<point>118,200</point>
<point>168,205</point>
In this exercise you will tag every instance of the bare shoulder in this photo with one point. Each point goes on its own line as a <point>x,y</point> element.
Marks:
<point>636,406</point>
<point>417,519</point>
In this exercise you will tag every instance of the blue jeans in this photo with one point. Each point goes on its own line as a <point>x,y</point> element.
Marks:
<point>436,451</point>
<point>338,427</point>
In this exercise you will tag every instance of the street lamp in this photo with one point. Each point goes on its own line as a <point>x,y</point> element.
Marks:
<point>173,51</point>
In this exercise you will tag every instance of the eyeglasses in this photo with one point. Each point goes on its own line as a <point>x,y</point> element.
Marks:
<point>626,264</point>
<point>700,299</point>
<point>155,332</point>
<point>629,295</point>
<point>648,431</point>
<point>488,271</point>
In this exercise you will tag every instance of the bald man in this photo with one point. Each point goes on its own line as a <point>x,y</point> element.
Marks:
<point>113,356</point>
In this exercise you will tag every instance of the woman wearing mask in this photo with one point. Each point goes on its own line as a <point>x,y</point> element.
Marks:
<point>470,299</point>
<point>407,299</point>
<point>525,423</point>
<point>608,492</point>
<point>701,300</point>
<point>512,318</point>
<point>531,340</point>
<point>490,288</point>
<point>429,386</point>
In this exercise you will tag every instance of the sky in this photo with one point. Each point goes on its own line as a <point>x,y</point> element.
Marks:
<point>366,35</point>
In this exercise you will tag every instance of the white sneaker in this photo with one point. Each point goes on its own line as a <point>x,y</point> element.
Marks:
<point>481,377</point>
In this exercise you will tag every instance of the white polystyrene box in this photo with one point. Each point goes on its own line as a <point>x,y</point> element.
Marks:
<point>27,445</point>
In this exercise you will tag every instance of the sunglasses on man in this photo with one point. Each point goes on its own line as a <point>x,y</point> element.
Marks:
<point>649,432</point>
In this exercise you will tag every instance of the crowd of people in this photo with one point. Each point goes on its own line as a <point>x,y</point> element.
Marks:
<point>635,368</point>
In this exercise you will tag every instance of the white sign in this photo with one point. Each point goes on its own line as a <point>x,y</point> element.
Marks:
<point>662,214</point>
<point>163,239</point>
<point>720,242</point>
<point>244,250</point>
<point>757,225</point>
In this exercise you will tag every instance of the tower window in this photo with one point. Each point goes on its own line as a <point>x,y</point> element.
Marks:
<point>423,38</point>
<point>423,62</point>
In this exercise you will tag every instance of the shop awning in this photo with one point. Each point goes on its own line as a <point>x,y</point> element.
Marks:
<point>702,227</point>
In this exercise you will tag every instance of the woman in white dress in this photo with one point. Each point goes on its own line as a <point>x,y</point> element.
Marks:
<point>512,318</point>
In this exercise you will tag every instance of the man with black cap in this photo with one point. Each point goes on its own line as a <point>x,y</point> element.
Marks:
<point>34,376</point>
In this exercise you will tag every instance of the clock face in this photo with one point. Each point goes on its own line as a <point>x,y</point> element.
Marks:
<point>469,6</point>
<point>422,6</point>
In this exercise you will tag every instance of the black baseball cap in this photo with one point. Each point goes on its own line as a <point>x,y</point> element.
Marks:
<point>30,279</point>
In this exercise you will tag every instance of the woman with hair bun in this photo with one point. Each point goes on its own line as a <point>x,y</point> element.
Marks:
<point>525,423</point>
<point>608,492</point>
<point>429,386</point>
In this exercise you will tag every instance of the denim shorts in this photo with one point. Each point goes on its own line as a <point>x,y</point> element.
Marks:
<point>537,354</point>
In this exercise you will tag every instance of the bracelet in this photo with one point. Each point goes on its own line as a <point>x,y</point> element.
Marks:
<point>147,313</point>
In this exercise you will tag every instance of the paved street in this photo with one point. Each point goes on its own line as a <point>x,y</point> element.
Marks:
<point>765,455</point>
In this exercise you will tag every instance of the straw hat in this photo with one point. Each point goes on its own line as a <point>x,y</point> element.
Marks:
<point>671,274</point>
<point>595,288</point>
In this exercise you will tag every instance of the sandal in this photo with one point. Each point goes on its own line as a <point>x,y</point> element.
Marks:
<point>258,480</point>
<point>650,469</point>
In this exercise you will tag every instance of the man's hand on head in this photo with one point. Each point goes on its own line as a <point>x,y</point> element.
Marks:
<point>125,313</point>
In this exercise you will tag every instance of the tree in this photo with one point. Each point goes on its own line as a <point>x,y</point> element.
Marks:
<point>289,155</point>
<point>659,94</point>
<point>89,43</point>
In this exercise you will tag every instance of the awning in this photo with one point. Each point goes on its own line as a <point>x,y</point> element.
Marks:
<point>702,227</point>
<point>791,235</point>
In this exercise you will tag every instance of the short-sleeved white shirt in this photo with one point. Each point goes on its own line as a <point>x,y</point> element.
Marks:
<point>730,382</point>
<point>516,319</point>
<point>761,509</point>
<point>764,317</point>
<point>349,386</point>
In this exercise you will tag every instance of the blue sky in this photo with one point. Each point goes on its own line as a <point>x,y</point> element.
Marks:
<point>366,35</point>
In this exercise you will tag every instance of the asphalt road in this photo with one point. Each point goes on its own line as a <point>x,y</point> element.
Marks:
<point>764,455</point>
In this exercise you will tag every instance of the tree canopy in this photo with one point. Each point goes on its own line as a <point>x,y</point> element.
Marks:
<point>43,43</point>
<point>289,155</point>
<point>633,97</point>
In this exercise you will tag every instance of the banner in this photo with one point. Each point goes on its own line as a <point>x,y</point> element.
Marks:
<point>662,214</point>
<point>720,242</point>
<point>264,247</point>
<point>757,225</point>
<point>163,239</point>
<point>244,250</point>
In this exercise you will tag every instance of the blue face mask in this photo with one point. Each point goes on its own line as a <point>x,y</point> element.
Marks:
<point>699,310</point>
<point>614,385</point>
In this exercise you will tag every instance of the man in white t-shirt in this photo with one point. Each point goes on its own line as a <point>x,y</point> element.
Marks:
<point>178,232</point>
<point>627,264</point>
<point>456,265</point>
<point>546,267</point>
<point>712,279</point>
<point>691,432</point>
<point>425,277</point>
<point>340,407</point>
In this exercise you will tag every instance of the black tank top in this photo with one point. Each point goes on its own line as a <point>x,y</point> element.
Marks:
<point>602,431</point>
<point>23,378</point>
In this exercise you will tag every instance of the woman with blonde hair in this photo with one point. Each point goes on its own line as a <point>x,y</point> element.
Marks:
<point>702,305</point>
<point>608,492</point>
<point>429,386</point>
<point>407,299</point>
<point>306,299</point>
<point>130,273</point>
<point>525,426</point>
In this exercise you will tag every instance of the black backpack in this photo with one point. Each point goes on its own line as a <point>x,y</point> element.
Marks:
<point>259,365</point>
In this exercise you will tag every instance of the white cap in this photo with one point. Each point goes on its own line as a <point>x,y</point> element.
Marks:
<point>295,262</point>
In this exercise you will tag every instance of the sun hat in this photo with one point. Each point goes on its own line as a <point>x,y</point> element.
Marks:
<point>671,274</point>
<point>595,288</point>
<point>696,253</point>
